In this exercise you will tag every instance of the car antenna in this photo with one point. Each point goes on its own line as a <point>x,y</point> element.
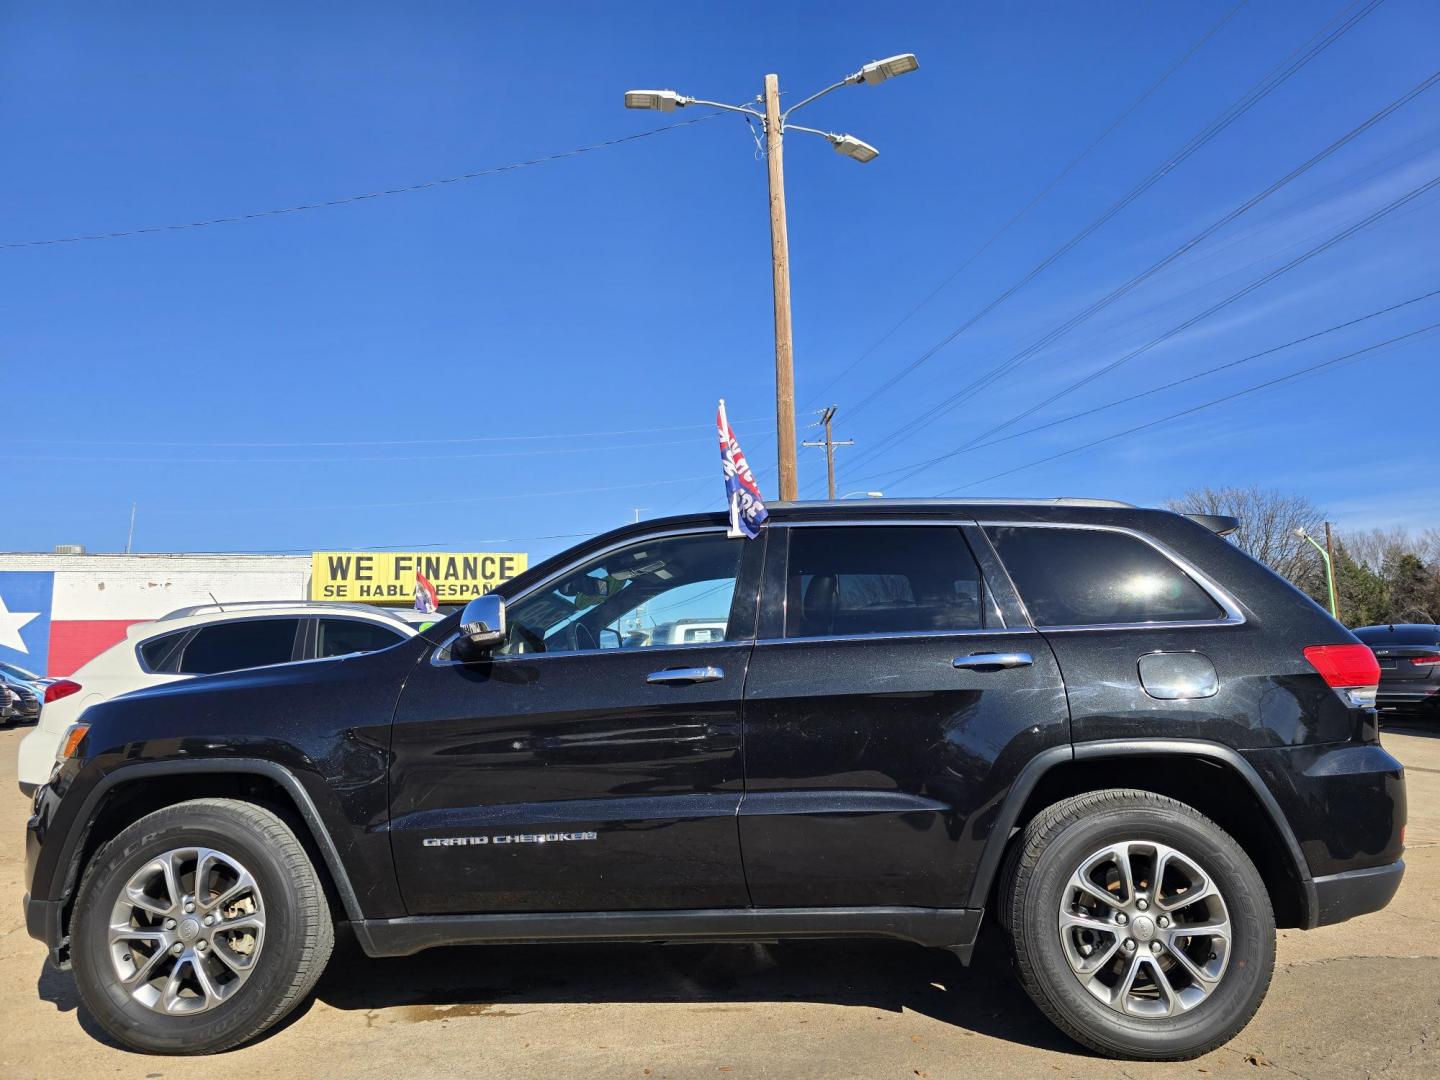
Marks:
<point>212,597</point>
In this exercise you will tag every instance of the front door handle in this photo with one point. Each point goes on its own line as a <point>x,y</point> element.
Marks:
<point>686,675</point>
<point>994,660</point>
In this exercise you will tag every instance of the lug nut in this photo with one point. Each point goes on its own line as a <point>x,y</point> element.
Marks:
<point>1155,947</point>
<point>1142,904</point>
<point>189,907</point>
<point>201,946</point>
<point>1129,944</point>
<point>209,920</point>
<point>169,924</point>
<point>177,948</point>
<point>1162,922</point>
<point>1120,918</point>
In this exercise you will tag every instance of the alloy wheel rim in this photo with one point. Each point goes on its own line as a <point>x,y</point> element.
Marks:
<point>186,931</point>
<point>1144,929</point>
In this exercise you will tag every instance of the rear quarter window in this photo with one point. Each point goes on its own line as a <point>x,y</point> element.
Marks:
<point>1095,577</point>
<point>158,654</point>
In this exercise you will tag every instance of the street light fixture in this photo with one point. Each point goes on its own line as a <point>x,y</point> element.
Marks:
<point>775,125</point>
<point>1329,569</point>
<point>852,147</point>
<point>877,71</point>
<point>659,100</point>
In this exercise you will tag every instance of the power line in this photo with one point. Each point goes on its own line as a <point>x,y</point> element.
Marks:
<point>1051,186</point>
<point>1145,393</point>
<point>1260,282</point>
<point>348,199</point>
<point>349,459</point>
<point>1204,405</point>
<point>932,414</point>
<point>1277,77</point>
<point>422,502</point>
<point>398,442</point>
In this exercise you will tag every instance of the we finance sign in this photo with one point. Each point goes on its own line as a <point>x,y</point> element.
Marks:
<point>389,577</point>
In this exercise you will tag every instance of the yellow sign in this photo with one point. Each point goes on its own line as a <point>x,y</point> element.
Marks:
<point>389,577</point>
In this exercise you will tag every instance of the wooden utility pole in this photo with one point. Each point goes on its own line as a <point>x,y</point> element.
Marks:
<point>829,444</point>
<point>780,269</point>
<point>1330,565</point>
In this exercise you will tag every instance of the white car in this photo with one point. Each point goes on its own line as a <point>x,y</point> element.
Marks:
<point>207,640</point>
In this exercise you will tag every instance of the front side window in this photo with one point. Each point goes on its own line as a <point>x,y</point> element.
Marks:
<point>234,646</point>
<point>337,637</point>
<point>673,590</point>
<point>881,579</point>
<point>1095,577</point>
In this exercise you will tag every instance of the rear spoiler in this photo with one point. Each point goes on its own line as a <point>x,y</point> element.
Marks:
<point>1219,524</point>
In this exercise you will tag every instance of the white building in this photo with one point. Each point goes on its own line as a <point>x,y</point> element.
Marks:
<point>58,610</point>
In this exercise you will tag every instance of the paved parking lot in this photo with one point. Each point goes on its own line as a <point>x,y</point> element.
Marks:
<point>1359,999</point>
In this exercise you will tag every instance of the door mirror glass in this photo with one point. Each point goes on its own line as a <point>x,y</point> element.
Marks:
<point>482,626</point>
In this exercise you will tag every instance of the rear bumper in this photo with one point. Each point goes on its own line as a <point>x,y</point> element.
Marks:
<point>1356,892</point>
<point>1400,693</point>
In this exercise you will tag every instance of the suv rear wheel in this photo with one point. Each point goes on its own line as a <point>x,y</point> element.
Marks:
<point>1139,927</point>
<point>198,927</point>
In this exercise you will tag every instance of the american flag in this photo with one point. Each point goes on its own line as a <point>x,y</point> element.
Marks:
<point>747,511</point>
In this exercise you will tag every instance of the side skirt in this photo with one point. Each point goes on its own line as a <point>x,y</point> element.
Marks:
<point>948,928</point>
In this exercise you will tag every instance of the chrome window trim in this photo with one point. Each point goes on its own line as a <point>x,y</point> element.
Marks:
<point>1234,614</point>
<point>903,635</point>
<point>573,564</point>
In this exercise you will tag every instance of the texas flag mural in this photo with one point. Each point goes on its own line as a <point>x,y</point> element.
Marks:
<point>25,626</point>
<point>54,621</point>
<point>51,625</point>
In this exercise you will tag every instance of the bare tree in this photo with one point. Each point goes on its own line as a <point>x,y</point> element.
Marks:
<point>1268,520</point>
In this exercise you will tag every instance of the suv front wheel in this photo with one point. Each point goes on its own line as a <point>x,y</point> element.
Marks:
<point>1139,927</point>
<point>198,927</point>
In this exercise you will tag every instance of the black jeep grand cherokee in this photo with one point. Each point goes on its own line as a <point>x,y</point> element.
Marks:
<point>1135,748</point>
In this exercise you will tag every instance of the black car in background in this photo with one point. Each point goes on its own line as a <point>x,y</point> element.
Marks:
<point>1409,655</point>
<point>1107,730</point>
<point>26,692</point>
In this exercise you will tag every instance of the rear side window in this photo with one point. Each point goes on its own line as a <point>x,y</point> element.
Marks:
<point>881,579</point>
<point>158,654</point>
<point>1093,577</point>
<point>236,645</point>
<point>341,636</point>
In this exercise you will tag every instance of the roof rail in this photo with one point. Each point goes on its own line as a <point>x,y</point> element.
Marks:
<point>260,605</point>
<point>1058,501</point>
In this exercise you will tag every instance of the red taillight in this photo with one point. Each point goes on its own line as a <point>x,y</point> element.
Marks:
<point>1345,665</point>
<point>60,688</point>
<point>1422,661</point>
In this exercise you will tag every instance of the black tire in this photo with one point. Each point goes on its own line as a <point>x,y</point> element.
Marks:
<point>1053,847</point>
<point>297,940</point>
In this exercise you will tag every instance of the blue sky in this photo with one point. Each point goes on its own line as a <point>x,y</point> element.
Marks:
<point>542,349</point>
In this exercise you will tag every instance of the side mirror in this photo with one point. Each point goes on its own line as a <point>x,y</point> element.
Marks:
<point>482,627</point>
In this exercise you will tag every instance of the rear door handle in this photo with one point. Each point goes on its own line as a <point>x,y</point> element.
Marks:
<point>686,675</point>
<point>994,660</point>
